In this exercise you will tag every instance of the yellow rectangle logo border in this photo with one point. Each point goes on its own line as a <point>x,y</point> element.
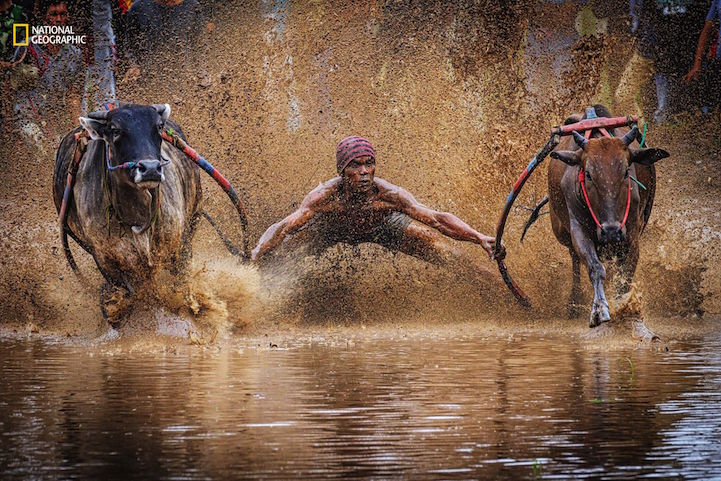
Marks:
<point>27,34</point>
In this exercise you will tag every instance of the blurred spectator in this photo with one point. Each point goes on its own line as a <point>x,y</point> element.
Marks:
<point>553,50</point>
<point>711,69</point>
<point>547,50</point>
<point>10,57</point>
<point>100,77</point>
<point>10,14</point>
<point>160,32</point>
<point>663,29</point>
<point>55,96</point>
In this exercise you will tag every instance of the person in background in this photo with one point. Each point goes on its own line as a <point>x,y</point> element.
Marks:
<point>10,56</point>
<point>659,52</point>
<point>100,76</point>
<point>10,14</point>
<point>711,71</point>
<point>56,96</point>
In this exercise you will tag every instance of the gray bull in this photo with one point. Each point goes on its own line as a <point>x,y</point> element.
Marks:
<point>113,212</point>
<point>608,167</point>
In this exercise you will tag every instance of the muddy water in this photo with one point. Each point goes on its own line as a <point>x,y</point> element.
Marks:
<point>469,407</point>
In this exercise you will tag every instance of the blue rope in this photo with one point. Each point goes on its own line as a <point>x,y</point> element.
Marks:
<point>111,168</point>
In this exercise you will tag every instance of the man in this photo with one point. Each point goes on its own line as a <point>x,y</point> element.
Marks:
<point>10,14</point>
<point>10,57</point>
<point>357,207</point>
<point>710,71</point>
<point>56,96</point>
<point>100,75</point>
<point>659,54</point>
<point>161,32</point>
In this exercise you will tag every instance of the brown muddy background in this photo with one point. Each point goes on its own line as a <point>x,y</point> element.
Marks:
<point>456,108</point>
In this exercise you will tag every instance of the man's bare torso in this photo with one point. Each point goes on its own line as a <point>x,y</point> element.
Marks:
<point>354,215</point>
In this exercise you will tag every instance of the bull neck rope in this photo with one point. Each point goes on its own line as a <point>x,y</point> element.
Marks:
<point>154,196</point>
<point>582,180</point>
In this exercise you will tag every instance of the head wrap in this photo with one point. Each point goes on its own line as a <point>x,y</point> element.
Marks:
<point>351,148</point>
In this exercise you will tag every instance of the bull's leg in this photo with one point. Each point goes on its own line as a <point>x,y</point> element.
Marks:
<point>575,298</point>
<point>586,250</point>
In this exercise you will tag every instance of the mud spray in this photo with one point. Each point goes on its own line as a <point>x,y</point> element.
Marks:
<point>456,97</point>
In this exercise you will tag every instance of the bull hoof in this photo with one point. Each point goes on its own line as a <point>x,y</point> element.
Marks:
<point>599,315</point>
<point>114,303</point>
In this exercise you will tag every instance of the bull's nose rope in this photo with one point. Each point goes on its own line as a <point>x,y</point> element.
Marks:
<point>155,195</point>
<point>171,136</point>
<point>112,168</point>
<point>637,181</point>
<point>582,180</point>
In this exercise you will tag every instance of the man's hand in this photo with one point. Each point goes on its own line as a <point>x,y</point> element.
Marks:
<point>489,245</point>
<point>693,73</point>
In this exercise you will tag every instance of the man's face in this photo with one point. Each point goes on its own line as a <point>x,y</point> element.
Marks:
<point>57,14</point>
<point>358,175</point>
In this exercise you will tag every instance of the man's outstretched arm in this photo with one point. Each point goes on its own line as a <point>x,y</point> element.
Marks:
<point>444,222</point>
<point>700,49</point>
<point>278,231</point>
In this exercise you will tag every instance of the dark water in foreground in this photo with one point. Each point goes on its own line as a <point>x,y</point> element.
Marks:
<point>413,408</point>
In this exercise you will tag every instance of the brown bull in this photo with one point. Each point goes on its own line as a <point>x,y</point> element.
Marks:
<point>606,221</point>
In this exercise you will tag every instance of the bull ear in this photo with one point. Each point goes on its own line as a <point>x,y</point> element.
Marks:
<point>163,110</point>
<point>96,128</point>
<point>648,156</point>
<point>568,157</point>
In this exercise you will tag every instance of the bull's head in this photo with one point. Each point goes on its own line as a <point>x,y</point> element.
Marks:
<point>132,134</point>
<point>607,164</point>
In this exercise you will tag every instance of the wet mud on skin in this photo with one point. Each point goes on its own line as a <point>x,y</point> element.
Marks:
<point>455,119</point>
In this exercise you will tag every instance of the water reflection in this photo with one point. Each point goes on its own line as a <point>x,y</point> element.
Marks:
<point>464,408</point>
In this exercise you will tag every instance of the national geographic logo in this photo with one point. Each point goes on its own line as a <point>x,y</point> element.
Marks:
<point>46,35</point>
<point>21,34</point>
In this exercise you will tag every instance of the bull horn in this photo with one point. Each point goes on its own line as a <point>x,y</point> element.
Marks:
<point>630,136</point>
<point>580,140</point>
<point>99,115</point>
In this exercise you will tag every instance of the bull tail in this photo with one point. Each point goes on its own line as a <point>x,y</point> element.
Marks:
<point>65,232</point>
<point>534,216</point>
<point>68,254</point>
<point>232,248</point>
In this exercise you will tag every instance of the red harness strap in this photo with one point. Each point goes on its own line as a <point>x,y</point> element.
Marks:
<point>582,180</point>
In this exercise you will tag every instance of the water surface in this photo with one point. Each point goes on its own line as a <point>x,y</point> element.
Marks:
<point>383,408</point>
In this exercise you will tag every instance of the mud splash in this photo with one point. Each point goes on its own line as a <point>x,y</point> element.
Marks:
<point>454,119</point>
